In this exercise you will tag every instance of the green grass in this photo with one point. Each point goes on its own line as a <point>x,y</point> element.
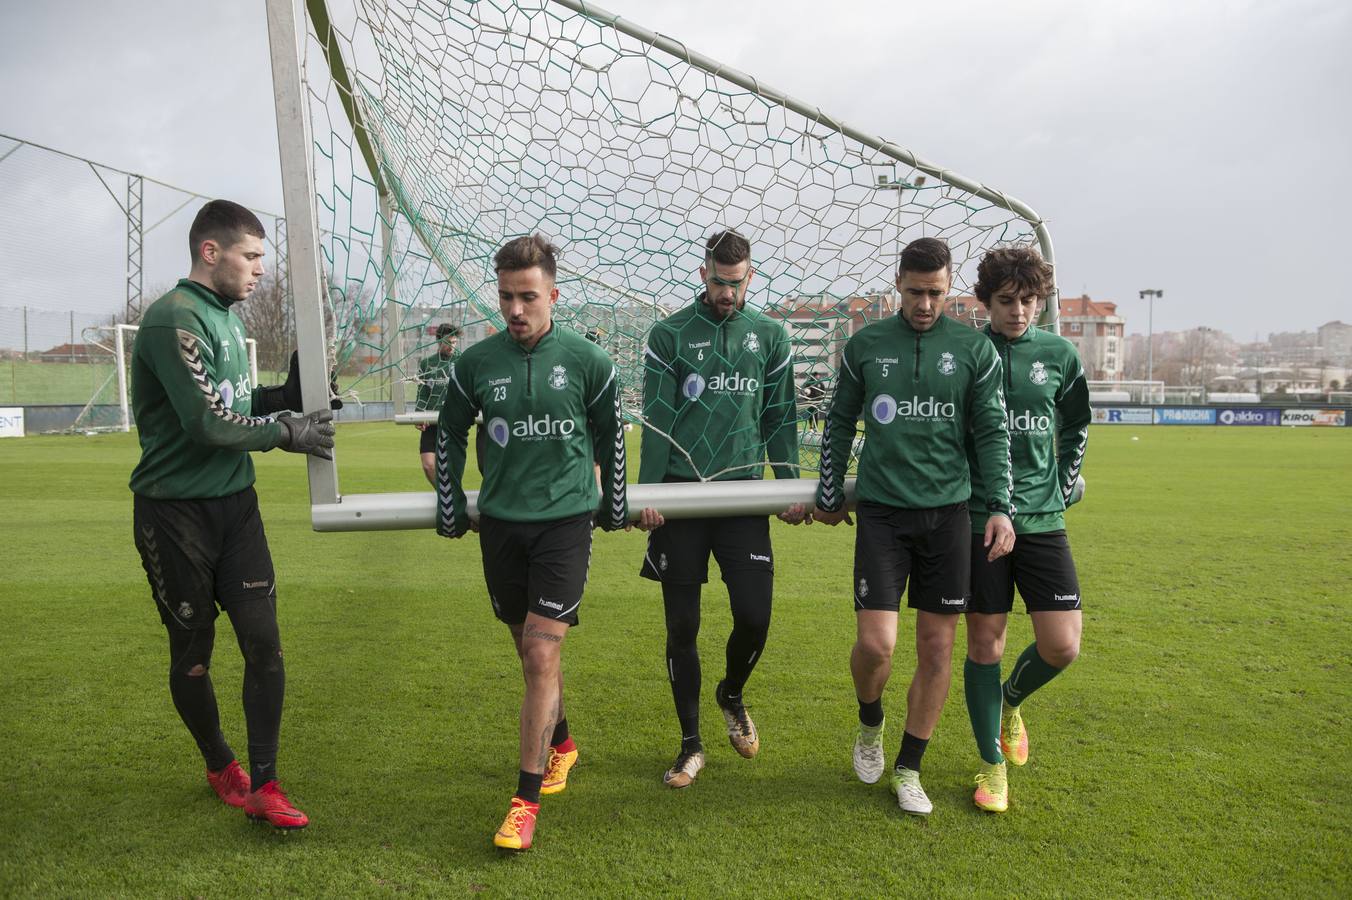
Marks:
<point>32,383</point>
<point>1194,749</point>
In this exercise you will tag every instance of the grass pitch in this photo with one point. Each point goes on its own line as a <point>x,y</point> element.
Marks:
<point>1195,748</point>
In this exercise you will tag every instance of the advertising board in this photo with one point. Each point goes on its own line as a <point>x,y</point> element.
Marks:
<point>1179,415</point>
<point>1248,416</point>
<point>1120,415</point>
<point>1333,417</point>
<point>11,421</point>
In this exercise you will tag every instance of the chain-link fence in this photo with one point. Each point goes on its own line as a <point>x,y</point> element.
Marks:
<point>83,246</point>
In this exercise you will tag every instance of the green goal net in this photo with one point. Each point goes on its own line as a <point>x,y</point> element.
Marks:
<point>438,130</point>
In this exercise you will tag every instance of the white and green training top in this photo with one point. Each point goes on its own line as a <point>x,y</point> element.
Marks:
<point>549,413</point>
<point>1048,416</point>
<point>921,394</point>
<point>718,398</point>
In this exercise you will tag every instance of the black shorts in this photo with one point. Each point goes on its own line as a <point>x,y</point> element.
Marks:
<point>678,552</point>
<point>199,554</point>
<point>536,567</point>
<point>929,546</point>
<point>1040,566</point>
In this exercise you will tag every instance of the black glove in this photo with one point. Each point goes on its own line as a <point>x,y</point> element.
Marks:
<point>287,396</point>
<point>312,433</point>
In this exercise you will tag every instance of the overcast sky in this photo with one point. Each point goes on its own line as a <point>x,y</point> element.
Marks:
<point>1196,146</point>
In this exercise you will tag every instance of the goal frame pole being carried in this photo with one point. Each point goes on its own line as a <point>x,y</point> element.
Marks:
<point>330,510</point>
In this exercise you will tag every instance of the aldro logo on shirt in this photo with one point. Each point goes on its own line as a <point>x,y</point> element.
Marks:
<point>544,428</point>
<point>230,392</point>
<point>1026,422</point>
<point>722,383</point>
<point>885,408</point>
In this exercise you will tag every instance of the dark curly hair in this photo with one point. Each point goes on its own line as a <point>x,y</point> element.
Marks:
<point>1023,267</point>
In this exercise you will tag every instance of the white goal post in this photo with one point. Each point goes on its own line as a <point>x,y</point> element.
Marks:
<point>392,153</point>
<point>122,337</point>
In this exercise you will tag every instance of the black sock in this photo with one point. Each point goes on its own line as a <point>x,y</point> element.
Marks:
<point>528,785</point>
<point>871,713</point>
<point>193,695</point>
<point>682,614</point>
<point>560,732</point>
<point>749,594</point>
<point>912,750</point>
<point>255,623</point>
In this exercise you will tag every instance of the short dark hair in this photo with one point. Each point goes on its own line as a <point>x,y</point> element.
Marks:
<point>1023,267</point>
<point>223,222</point>
<point>727,248</point>
<point>530,252</point>
<point>924,255</point>
<point>446,328</point>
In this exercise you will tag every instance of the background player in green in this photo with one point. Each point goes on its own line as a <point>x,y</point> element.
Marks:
<point>433,372</point>
<point>1048,402</point>
<point>923,383</point>
<point>718,399</point>
<point>551,409</point>
<point>196,519</point>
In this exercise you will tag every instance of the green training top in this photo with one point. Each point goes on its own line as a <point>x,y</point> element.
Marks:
<point>549,414</point>
<point>433,373</point>
<point>723,392</point>
<point>192,396</point>
<point>1048,401</point>
<point>923,392</point>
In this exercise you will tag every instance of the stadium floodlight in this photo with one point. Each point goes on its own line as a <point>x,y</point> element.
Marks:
<point>416,137</point>
<point>1150,336</point>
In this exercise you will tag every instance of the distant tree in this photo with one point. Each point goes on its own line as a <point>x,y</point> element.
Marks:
<point>270,320</point>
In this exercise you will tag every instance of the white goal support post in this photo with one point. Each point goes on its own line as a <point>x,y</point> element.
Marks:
<point>418,136</point>
<point>122,338</point>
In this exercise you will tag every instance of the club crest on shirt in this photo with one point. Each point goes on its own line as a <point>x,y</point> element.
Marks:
<point>751,342</point>
<point>1038,374</point>
<point>947,365</point>
<point>558,378</point>
<point>184,611</point>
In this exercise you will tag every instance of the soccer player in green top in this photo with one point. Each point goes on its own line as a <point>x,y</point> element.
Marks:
<point>433,372</point>
<point>718,400</point>
<point>551,408</point>
<point>923,382</point>
<point>195,512</point>
<point>1048,402</point>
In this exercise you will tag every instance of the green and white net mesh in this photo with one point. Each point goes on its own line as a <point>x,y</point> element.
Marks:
<point>487,120</point>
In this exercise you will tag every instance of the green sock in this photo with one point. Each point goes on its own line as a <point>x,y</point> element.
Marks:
<point>1029,673</point>
<point>981,683</point>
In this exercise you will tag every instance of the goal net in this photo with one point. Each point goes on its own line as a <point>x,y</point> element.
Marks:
<point>422,135</point>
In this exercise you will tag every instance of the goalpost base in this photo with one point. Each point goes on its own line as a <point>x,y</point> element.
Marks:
<point>395,512</point>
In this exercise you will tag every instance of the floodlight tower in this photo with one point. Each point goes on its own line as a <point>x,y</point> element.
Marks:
<point>901,186</point>
<point>1150,336</point>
